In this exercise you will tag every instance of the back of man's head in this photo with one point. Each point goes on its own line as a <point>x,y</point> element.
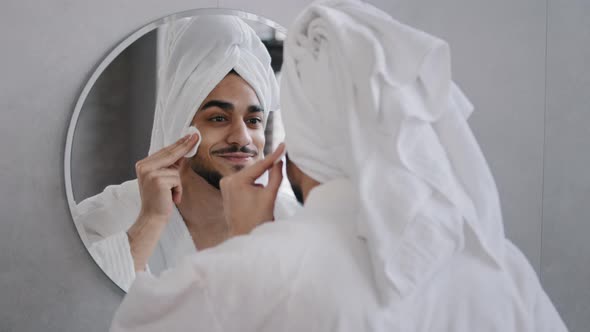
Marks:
<point>368,99</point>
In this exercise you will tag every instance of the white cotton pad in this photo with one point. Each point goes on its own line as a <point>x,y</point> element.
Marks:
<point>190,131</point>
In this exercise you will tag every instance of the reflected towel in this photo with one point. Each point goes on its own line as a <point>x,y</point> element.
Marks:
<point>200,52</point>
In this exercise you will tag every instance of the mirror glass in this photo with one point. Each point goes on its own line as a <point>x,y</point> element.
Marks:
<point>112,127</point>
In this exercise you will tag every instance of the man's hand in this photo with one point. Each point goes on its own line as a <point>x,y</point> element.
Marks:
<point>160,188</point>
<point>247,204</point>
<point>159,178</point>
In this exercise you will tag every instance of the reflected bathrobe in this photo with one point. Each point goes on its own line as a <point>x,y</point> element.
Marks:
<point>197,54</point>
<point>105,218</point>
<point>313,273</point>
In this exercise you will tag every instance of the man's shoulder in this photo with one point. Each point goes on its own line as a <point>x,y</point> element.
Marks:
<point>296,263</point>
<point>272,242</point>
<point>126,193</point>
<point>112,210</point>
<point>472,265</point>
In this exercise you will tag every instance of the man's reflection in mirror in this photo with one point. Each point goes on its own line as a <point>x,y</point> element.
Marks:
<point>216,76</point>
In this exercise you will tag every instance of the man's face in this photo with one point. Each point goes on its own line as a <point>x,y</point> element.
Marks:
<point>231,121</point>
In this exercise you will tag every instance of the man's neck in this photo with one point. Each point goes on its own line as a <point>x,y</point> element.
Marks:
<point>201,209</point>
<point>307,184</point>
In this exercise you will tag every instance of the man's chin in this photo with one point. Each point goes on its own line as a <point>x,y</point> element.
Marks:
<point>213,177</point>
<point>237,168</point>
<point>228,168</point>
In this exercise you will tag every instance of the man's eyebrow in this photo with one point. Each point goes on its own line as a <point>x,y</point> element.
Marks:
<point>229,106</point>
<point>220,104</point>
<point>255,109</point>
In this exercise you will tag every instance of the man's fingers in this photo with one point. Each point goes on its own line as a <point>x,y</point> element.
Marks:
<point>275,177</point>
<point>168,155</point>
<point>167,179</point>
<point>179,142</point>
<point>167,182</point>
<point>179,163</point>
<point>177,194</point>
<point>161,178</point>
<point>255,171</point>
<point>164,172</point>
<point>171,154</point>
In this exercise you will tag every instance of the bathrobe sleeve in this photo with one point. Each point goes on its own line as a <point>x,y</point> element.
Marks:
<point>543,314</point>
<point>104,220</point>
<point>546,317</point>
<point>226,288</point>
<point>113,255</point>
<point>239,285</point>
<point>178,300</point>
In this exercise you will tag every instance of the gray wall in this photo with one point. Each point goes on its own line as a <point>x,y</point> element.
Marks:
<point>523,64</point>
<point>565,250</point>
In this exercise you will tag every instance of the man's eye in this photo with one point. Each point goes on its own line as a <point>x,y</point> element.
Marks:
<point>254,121</point>
<point>218,118</point>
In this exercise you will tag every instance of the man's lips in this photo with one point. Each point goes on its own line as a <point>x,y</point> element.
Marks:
<point>236,157</point>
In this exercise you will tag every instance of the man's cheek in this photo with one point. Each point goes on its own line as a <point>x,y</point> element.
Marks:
<point>259,140</point>
<point>213,139</point>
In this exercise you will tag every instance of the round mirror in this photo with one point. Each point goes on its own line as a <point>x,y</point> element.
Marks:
<point>212,67</point>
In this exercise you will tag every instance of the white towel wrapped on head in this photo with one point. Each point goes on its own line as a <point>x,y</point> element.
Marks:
<point>201,52</point>
<point>372,100</point>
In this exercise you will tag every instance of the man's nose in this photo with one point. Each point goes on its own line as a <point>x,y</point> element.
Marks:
<point>239,134</point>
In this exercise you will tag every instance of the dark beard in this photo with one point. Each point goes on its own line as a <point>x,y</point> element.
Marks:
<point>211,176</point>
<point>298,192</point>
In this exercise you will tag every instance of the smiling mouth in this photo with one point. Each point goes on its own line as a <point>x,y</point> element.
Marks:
<point>237,158</point>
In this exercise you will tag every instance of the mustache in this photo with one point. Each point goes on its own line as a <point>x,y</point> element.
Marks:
<point>235,148</point>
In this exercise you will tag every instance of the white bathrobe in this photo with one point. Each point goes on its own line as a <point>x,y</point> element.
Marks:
<point>404,233</point>
<point>106,217</point>
<point>313,273</point>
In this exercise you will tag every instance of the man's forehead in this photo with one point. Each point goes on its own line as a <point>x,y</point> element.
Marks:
<point>229,106</point>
